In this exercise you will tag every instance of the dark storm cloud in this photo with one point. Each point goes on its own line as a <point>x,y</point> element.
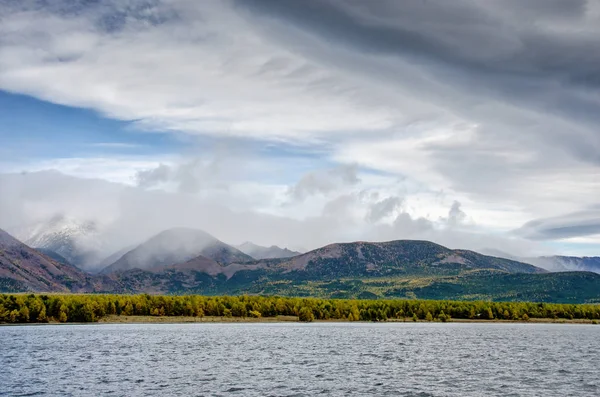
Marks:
<point>475,35</point>
<point>540,57</point>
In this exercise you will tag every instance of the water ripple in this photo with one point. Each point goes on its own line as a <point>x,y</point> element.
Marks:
<point>332,359</point>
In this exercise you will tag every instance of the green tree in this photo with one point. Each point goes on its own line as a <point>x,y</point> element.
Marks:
<point>254,314</point>
<point>443,317</point>
<point>306,315</point>
<point>24,314</point>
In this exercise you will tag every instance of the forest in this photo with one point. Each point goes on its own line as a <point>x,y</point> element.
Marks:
<point>44,308</point>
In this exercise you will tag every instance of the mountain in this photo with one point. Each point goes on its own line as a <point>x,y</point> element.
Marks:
<point>187,261</point>
<point>334,270</point>
<point>260,252</point>
<point>24,269</point>
<point>199,275</point>
<point>401,257</point>
<point>175,246</point>
<point>79,242</point>
<point>567,263</point>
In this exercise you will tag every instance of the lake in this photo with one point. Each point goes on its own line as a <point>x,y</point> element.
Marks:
<point>292,359</point>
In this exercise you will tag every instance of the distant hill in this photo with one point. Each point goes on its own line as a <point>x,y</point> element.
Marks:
<point>260,252</point>
<point>556,263</point>
<point>112,258</point>
<point>22,268</point>
<point>175,246</point>
<point>567,263</point>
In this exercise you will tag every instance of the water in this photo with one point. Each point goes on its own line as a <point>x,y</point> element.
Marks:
<point>336,359</point>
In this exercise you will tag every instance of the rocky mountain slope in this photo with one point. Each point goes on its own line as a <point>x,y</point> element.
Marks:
<point>25,269</point>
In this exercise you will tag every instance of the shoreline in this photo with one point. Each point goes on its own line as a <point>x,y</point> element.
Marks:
<point>114,319</point>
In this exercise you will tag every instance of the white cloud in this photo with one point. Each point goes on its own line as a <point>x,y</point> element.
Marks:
<point>127,215</point>
<point>478,109</point>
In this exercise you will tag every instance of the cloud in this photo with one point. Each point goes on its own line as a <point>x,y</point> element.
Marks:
<point>455,215</point>
<point>125,215</point>
<point>383,208</point>
<point>494,103</point>
<point>220,81</point>
<point>322,182</point>
<point>152,177</point>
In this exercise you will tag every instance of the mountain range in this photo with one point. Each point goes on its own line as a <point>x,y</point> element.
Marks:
<point>192,261</point>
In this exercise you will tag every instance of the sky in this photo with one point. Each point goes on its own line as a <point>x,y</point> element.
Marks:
<point>471,123</point>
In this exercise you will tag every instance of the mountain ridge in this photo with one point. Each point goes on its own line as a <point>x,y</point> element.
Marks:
<point>403,269</point>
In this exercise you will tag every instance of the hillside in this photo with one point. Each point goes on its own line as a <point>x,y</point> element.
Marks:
<point>567,287</point>
<point>260,252</point>
<point>393,258</point>
<point>175,246</point>
<point>25,269</point>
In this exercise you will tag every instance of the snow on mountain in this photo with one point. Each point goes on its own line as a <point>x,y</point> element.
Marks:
<point>79,242</point>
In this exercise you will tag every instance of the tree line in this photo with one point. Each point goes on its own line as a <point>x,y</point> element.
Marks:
<point>41,308</point>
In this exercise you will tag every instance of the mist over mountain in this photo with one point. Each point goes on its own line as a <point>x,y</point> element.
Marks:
<point>25,269</point>
<point>128,215</point>
<point>174,246</point>
<point>567,263</point>
<point>79,242</point>
<point>112,258</point>
<point>555,263</point>
<point>260,252</point>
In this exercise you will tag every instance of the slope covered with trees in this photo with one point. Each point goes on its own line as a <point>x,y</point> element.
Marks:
<point>90,308</point>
